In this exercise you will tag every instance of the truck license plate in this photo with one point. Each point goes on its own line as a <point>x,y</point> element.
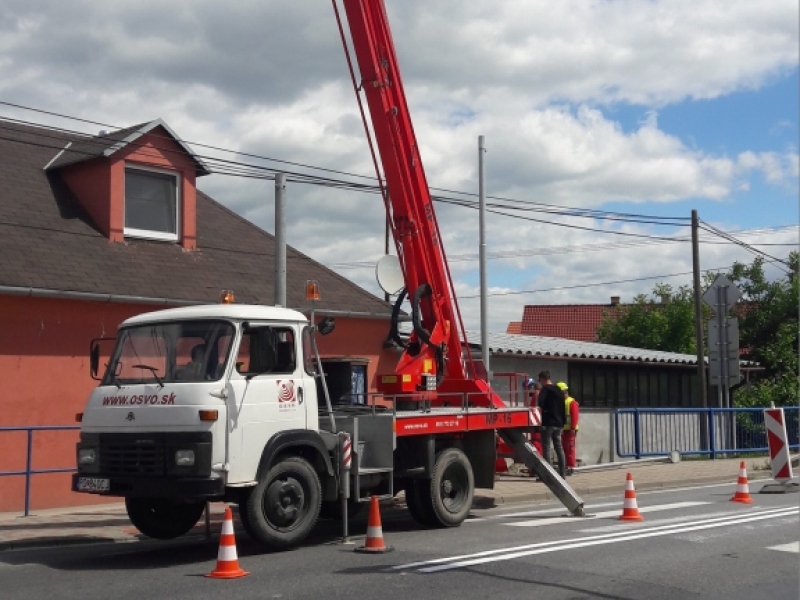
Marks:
<point>93,484</point>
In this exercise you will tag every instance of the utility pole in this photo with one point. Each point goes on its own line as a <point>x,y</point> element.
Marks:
<point>482,226</point>
<point>698,314</point>
<point>280,239</point>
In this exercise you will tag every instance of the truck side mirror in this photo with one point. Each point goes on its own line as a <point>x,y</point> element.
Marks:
<point>94,355</point>
<point>94,359</point>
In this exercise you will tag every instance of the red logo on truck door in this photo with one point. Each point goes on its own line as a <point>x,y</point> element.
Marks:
<point>287,398</point>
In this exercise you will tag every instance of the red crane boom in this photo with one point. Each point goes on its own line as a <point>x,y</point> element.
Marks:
<point>437,345</point>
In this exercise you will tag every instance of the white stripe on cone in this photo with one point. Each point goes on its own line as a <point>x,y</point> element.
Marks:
<point>227,554</point>
<point>227,527</point>
<point>374,532</point>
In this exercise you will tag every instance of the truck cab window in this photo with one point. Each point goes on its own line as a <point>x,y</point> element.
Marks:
<point>185,351</point>
<point>265,350</point>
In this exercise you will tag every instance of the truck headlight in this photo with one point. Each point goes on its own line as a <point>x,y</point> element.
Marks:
<point>87,456</point>
<point>184,458</point>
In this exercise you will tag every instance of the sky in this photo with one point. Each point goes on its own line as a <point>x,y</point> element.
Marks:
<point>590,109</point>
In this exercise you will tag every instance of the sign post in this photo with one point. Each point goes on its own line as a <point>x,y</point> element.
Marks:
<point>723,337</point>
<point>723,348</point>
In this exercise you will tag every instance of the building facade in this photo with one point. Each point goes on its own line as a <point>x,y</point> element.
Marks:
<point>95,229</point>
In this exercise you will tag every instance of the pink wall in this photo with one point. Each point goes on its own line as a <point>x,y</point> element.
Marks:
<point>44,349</point>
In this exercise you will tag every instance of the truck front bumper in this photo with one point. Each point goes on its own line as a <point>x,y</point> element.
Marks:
<point>144,465</point>
<point>174,488</point>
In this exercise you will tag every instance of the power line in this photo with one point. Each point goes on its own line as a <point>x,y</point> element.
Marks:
<point>247,170</point>
<point>710,228</point>
<point>597,284</point>
<point>529,205</point>
<point>567,249</point>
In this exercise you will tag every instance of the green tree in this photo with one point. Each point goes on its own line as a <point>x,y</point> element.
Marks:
<point>768,331</point>
<point>768,328</point>
<point>663,321</point>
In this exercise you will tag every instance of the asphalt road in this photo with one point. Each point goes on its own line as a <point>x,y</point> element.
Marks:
<point>693,543</point>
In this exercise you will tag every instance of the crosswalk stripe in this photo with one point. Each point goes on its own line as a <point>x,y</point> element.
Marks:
<point>506,553</point>
<point>533,513</point>
<point>603,540</point>
<point>790,547</point>
<point>609,513</point>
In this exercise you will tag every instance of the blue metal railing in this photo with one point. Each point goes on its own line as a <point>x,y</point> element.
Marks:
<point>29,470</point>
<point>643,432</point>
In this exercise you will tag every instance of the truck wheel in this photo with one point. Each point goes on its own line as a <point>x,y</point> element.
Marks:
<point>242,507</point>
<point>418,501</point>
<point>163,519</point>
<point>452,487</point>
<point>283,508</point>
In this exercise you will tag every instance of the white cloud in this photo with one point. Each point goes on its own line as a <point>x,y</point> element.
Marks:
<point>539,78</point>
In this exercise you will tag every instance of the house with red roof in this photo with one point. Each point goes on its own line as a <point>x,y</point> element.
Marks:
<point>577,322</point>
<point>97,228</point>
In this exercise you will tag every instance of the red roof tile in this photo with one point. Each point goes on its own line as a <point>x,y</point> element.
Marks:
<point>514,327</point>
<point>577,322</point>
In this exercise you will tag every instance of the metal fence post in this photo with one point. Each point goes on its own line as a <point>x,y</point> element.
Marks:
<point>711,431</point>
<point>28,463</point>
<point>637,434</point>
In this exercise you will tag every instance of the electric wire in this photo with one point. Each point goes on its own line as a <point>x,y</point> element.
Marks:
<point>247,170</point>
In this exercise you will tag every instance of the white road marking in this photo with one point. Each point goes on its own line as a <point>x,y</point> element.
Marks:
<point>617,525</point>
<point>458,562</point>
<point>533,513</point>
<point>600,515</point>
<point>502,514</point>
<point>790,547</point>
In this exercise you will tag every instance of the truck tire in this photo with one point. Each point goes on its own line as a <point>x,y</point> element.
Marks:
<point>242,509</point>
<point>452,487</point>
<point>419,503</point>
<point>282,509</point>
<point>163,519</point>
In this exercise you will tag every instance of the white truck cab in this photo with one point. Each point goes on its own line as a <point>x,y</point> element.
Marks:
<point>198,404</point>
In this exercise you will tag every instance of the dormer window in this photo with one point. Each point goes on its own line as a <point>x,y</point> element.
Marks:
<point>151,204</point>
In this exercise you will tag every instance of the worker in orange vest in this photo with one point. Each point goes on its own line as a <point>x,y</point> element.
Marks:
<point>570,433</point>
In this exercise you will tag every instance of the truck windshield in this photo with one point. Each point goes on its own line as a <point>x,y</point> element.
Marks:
<point>161,353</point>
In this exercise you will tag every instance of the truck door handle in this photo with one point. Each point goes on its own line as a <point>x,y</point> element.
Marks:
<point>300,395</point>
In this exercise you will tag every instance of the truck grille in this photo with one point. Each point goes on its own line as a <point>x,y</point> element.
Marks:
<point>135,456</point>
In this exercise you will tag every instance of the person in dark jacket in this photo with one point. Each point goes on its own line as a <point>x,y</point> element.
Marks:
<point>551,403</point>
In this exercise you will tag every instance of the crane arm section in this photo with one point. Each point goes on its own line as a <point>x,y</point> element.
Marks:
<point>435,345</point>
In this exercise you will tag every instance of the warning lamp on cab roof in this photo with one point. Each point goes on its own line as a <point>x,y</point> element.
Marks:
<point>226,297</point>
<point>312,290</point>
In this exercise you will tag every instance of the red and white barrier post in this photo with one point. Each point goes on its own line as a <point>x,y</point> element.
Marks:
<point>344,476</point>
<point>778,444</point>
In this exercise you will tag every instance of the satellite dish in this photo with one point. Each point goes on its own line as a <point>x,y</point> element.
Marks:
<point>390,275</point>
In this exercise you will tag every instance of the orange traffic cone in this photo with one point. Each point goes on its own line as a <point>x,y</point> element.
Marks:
<point>742,489</point>
<point>374,540</point>
<point>630,510</point>
<point>227,560</point>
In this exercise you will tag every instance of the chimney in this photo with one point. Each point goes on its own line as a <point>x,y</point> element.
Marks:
<point>614,300</point>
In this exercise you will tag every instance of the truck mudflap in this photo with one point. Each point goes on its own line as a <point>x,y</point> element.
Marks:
<point>149,487</point>
<point>535,461</point>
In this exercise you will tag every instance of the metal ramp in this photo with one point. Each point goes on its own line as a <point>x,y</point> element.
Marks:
<point>533,460</point>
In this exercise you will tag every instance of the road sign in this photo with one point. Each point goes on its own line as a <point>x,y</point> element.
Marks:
<point>723,351</point>
<point>723,332</point>
<point>721,295</point>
